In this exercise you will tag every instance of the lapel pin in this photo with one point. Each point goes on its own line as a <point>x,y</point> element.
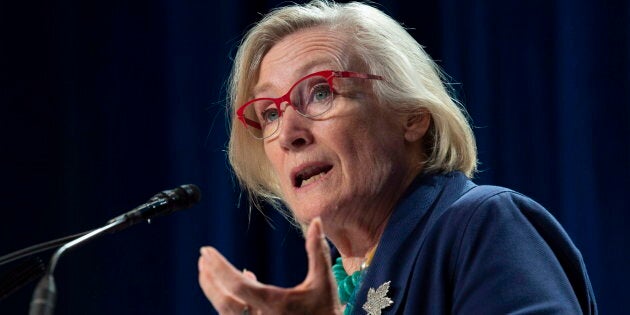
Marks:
<point>377,299</point>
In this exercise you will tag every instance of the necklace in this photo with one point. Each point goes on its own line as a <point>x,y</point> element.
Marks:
<point>347,284</point>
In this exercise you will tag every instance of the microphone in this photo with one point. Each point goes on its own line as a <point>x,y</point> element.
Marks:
<point>166,202</point>
<point>163,203</point>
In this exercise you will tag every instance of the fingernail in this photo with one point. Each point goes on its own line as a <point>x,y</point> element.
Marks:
<point>318,224</point>
<point>204,251</point>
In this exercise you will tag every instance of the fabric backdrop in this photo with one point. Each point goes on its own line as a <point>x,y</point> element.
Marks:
<point>106,103</point>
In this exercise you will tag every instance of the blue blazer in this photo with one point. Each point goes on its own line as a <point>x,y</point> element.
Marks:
<point>451,247</point>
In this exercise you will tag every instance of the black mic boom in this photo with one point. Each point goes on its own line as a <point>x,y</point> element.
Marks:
<point>166,202</point>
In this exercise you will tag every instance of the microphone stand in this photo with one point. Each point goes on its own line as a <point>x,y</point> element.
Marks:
<point>43,302</point>
<point>32,250</point>
<point>166,202</point>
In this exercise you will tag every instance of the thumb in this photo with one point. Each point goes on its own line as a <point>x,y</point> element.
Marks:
<point>319,263</point>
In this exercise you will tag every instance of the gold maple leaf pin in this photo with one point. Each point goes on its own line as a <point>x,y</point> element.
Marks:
<point>377,299</point>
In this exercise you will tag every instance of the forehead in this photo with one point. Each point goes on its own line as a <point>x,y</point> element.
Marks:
<point>300,54</point>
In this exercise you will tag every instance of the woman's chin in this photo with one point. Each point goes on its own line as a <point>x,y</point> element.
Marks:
<point>304,215</point>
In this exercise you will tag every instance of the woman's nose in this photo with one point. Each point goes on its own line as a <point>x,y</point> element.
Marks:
<point>294,133</point>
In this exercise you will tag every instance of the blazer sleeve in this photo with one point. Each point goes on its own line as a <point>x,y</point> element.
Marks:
<point>512,256</point>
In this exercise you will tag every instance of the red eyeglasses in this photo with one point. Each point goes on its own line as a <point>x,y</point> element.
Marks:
<point>310,96</point>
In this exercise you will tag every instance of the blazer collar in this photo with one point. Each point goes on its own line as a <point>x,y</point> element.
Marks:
<point>428,194</point>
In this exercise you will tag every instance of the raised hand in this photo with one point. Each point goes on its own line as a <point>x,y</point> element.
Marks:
<point>233,292</point>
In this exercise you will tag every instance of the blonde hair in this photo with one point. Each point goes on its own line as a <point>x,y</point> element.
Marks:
<point>414,84</point>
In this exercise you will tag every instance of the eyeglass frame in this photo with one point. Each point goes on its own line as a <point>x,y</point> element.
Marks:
<point>329,75</point>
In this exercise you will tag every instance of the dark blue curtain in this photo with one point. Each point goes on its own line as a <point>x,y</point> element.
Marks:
<point>106,103</point>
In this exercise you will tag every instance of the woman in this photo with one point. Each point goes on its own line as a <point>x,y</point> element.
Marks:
<point>339,115</point>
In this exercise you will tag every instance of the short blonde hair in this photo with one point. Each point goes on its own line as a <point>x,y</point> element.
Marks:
<point>388,50</point>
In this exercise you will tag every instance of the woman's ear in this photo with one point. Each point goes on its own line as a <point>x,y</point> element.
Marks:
<point>417,125</point>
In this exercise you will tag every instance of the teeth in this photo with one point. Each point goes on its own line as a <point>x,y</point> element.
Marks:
<point>310,175</point>
<point>311,179</point>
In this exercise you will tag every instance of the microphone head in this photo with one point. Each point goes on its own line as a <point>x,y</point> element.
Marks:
<point>187,195</point>
<point>182,197</point>
<point>166,202</point>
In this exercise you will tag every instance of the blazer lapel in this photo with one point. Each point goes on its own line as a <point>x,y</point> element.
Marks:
<point>402,239</point>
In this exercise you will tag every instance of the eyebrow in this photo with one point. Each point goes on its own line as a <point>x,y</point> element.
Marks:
<point>260,88</point>
<point>305,69</point>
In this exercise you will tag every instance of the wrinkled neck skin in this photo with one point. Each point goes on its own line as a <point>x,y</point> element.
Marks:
<point>355,232</point>
<point>357,235</point>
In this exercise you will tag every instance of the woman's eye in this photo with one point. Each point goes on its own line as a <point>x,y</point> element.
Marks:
<point>269,115</point>
<point>321,92</point>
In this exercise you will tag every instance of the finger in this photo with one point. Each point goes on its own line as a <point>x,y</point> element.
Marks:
<point>249,275</point>
<point>223,301</point>
<point>232,281</point>
<point>318,252</point>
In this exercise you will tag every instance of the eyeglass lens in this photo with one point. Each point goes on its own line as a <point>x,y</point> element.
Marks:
<point>310,97</point>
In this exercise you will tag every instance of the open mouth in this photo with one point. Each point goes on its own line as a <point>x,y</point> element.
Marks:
<point>310,174</point>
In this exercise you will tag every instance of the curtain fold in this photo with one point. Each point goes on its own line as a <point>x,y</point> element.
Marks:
<point>108,103</point>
